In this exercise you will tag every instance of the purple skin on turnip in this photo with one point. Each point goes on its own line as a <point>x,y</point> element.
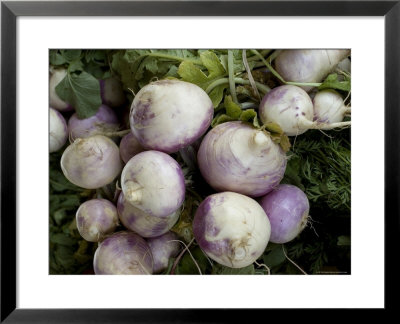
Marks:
<point>123,253</point>
<point>287,208</point>
<point>163,248</point>
<point>104,121</point>
<point>231,229</point>
<point>91,162</point>
<point>129,147</point>
<point>168,115</point>
<point>111,92</point>
<point>235,156</point>
<point>96,218</point>
<point>153,182</point>
<point>142,223</point>
<point>58,130</point>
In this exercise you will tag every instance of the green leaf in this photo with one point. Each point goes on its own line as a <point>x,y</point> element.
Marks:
<point>211,61</point>
<point>217,94</point>
<point>187,265</point>
<point>222,270</point>
<point>275,257</point>
<point>332,82</point>
<point>56,58</point>
<point>62,239</point>
<point>344,240</point>
<point>82,91</point>
<point>71,55</point>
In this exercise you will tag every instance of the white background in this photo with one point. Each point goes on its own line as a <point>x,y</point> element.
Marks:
<point>363,288</point>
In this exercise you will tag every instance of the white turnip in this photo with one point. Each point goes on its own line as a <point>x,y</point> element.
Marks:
<point>153,182</point>
<point>58,130</point>
<point>292,109</point>
<point>95,219</point>
<point>329,107</point>
<point>168,115</point>
<point>91,162</point>
<point>231,229</point>
<point>235,156</point>
<point>308,65</point>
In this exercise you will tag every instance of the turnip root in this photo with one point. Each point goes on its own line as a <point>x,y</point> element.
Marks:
<point>287,208</point>
<point>291,108</point>
<point>235,156</point>
<point>231,229</point>
<point>168,115</point>
<point>308,66</point>
<point>123,253</point>
<point>142,223</point>
<point>56,76</point>
<point>104,121</point>
<point>96,218</point>
<point>163,248</point>
<point>91,162</point>
<point>129,147</point>
<point>58,130</point>
<point>153,182</point>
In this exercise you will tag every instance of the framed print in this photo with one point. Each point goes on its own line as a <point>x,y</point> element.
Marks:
<point>171,42</point>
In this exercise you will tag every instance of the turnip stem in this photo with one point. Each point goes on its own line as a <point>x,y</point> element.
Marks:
<point>262,87</point>
<point>249,75</point>
<point>231,77</point>
<point>119,134</point>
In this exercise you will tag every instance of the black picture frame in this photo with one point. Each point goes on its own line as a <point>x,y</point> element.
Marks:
<point>10,10</point>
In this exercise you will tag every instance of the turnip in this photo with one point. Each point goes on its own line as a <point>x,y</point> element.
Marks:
<point>123,253</point>
<point>129,146</point>
<point>291,108</point>
<point>329,107</point>
<point>104,121</point>
<point>287,208</point>
<point>56,76</point>
<point>142,223</point>
<point>168,115</point>
<point>153,182</point>
<point>91,162</point>
<point>308,66</point>
<point>163,248</point>
<point>231,229</point>
<point>58,130</point>
<point>96,218</point>
<point>111,92</point>
<point>235,156</point>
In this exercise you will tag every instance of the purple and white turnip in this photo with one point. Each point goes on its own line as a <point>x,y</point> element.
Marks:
<point>129,147</point>
<point>96,218</point>
<point>153,182</point>
<point>111,92</point>
<point>123,253</point>
<point>91,162</point>
<point>232,229</point>
<point>168,115</point>
<point>287,207</point>
<point>235,156</point>
<point>163,248</point>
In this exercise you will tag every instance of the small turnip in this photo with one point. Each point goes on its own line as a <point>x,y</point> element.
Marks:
<point>168,115</point>
<point>308,65</point>
<point>288,209</point>
<point>153,182</point>
<point>235,156</point>
<point>58,130</point>
<point>129,147</point>
<point>231,229</point>
<point>329,107</point>
<point>292,109</point>
<point>123,253</point>
<point>104,121</point>
<point>96,218</point>
<point>163,248</point>
<point>142,223</point>
<point>56,76</point>
<point>91,162</point>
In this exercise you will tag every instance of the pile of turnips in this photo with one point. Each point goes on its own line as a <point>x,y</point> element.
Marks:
<point>242,164</point>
